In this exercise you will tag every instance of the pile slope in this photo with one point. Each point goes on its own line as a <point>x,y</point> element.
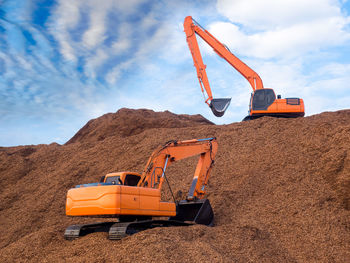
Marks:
<point>280,190</point>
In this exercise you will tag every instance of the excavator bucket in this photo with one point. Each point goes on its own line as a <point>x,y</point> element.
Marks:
<point>219,106</point>
<point>198,211</point>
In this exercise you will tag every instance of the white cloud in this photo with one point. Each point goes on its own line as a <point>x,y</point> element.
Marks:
<point>148,21</point>
<point>94,62</point>
<point>120,46</point>
<point>152,45</point>
<point>319,103</point>
<point>285,28</point>
<point>99,11</point>
<point>17,11</point>
<point>96,32</point>
<point>332,79</point>
<point>65,17</point>
<point>103,52</point>
<point>285,77</point>
<point>325,88</point>
<point>123,43</point>
<point>285,42</point>
<point>127,7</point>
<point>115,73</point>
<point>268,14</point>
<point>336,69</point>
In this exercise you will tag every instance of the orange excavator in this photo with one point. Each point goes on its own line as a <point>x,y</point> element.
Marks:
<point>263,102</point>
<point>136,198</point>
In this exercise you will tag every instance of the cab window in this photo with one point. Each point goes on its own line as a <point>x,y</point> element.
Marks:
<point>131,180</point>
<point>113,179</point>
<point>263,98</point>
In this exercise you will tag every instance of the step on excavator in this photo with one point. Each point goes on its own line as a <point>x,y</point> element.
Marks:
<point>263,102</point>
<point>135,199</point>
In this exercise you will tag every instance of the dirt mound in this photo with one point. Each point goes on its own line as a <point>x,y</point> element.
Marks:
<point>127,122</point>
<point>280,190</point>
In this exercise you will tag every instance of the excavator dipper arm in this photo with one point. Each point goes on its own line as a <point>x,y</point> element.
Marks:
<point>153,175</point>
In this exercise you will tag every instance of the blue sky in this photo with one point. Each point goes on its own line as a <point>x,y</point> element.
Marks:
<point>65,62</point>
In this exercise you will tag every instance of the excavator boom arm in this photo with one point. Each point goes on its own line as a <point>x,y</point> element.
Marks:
<point>153,175</point>
<point>191,28</point>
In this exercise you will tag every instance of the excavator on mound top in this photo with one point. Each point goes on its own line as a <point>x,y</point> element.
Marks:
<point>135,199</point>
<point>263,102</point>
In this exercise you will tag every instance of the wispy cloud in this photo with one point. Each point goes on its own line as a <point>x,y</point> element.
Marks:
<point>65,17</point>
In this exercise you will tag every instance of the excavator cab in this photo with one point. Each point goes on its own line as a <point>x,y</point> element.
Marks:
<point>262,99</point>
<point>219,106</point>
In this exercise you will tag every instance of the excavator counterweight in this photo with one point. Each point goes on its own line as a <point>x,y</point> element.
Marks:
<point>136,198</point>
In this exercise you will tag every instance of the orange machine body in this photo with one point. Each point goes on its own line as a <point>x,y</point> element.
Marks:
<point>269,105</point>
<point>263,101</point>
<point>117,199</point>
<point>133,194</point>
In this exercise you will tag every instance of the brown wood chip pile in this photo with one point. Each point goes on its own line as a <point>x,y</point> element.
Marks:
<point>280,190</point>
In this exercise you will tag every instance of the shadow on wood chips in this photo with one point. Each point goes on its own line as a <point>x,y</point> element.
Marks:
<point>280,191</point>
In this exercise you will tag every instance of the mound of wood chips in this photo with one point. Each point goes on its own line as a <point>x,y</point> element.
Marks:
<point>280,190</point>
